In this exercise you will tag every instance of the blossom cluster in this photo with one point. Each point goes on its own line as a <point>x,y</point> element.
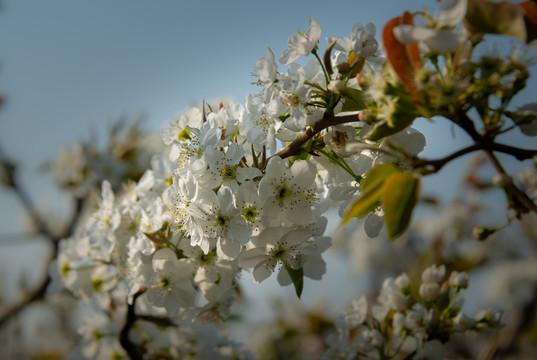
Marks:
<point>408,319</point>
<point>217,204</point>
<point>248,188</point>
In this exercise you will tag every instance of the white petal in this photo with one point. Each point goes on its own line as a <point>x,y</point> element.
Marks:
<point>228,249</point>
<point>445,40</point>
<point>264,270</point>
<point>251,258</point>
<point>301,175</point>
<point>299,212</point>
<point>314,267</point>
<point>373,225</point>
<point>409,34</point>
<point>452,12</point>
<point>314,30</point>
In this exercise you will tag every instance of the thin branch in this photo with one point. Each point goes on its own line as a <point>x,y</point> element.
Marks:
<point>35,294</point>
<point>437,164</point>
<point>39,291</point>
<point>519,154</point>
<point>516,197</point>
<point>157,320</point>
<point>130,319</point>
<point>519,200</point>
<point>327,121</point>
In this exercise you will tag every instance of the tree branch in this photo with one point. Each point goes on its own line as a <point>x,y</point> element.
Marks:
<point>327,121</point>
<point>131,318</point>
<point>437,164</point>
<point>516,197</point>
<point>42,229</point>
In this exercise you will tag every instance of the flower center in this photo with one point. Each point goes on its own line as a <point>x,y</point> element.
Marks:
<point>249,213</point>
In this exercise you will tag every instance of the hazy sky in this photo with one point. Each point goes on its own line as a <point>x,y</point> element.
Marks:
<point>69,67</point>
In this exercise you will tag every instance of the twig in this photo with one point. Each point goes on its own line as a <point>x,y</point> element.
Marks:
<point>437,164</point>
<point>327,121</point>
<point>520,201</point>
<point>131,318</point>
<point>517,198</point>
<point>42,229</point>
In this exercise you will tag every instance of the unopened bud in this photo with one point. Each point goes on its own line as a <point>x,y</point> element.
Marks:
<point>343,67</point>
<point>336,86</point>
<point>429,291</point>
<point>482,233</point>
<point>502,180</point>
<point>457,279</point>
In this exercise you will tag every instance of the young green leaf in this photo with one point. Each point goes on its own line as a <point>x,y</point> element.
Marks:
<point>297,276</point>
<point>399,197</point>
<point>355,99</point>
<point>371,191</point>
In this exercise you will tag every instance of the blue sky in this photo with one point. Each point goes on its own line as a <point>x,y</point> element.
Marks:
<point>71,67</point>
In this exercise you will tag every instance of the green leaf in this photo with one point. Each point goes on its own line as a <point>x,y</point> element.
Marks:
<point>355,99</point>
<point>378,174</point>
<point>297,276</point>
<point>371,191</point>
<point>400,195</point>
<point>403,115</point>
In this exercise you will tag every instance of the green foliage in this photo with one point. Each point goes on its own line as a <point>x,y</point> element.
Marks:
<point>297,276</point>
<point>372,188</point>
<point>400,194</point>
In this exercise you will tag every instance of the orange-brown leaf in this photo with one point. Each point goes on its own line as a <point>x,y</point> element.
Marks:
<point>530,19</point>
<point>403,58</point>
<point>412,50</point>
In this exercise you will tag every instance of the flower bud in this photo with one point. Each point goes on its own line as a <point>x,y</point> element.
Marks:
<point>493,317</point>
<point>462,322</point>
<point>398,323</point>
<point>459,280</point>
<point>343,67</point>
<point>482,233</point>
<point>402,281</point>
<point>526,118</point>
<point>336,86</point>
<point>433,274</point>
<point>429,291</point>
<point>502,180</point>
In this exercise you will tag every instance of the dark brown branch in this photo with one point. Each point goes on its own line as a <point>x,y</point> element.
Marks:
<point>124,340</point>
<point>35,294</point>
<point>42,229</point>
<point>327,121</point>
<point>518,200</point>
<point>157,320</point>
<point>436,165</point>
<point>519,154</point>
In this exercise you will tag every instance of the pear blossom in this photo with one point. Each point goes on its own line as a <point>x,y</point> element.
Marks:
<point>287,193</point>
<point>272,246</point>
<point>339,137</point>
<point>361,42</point>
<point>442,35</point>
<point>171,286</point>
<point>266,68</point>
<point>302,44</point>
<point>527,119</point>
<point>218,219</point>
